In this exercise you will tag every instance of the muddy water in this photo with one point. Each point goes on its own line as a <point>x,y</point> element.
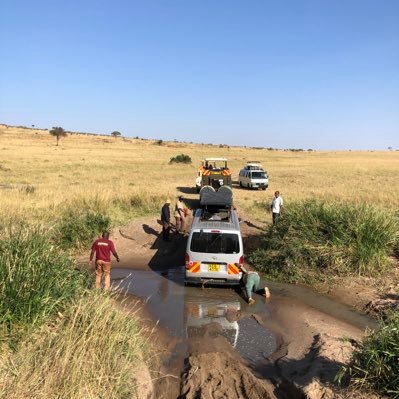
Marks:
<point>195,314</point>
<point>192,313</point>
<point>322,303</point>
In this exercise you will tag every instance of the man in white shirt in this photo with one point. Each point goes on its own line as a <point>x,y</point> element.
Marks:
<point>276,206</point>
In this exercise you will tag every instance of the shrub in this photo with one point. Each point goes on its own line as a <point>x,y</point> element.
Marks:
<point>182,158</point>
<point>314,239</point>
<point>93,350</point>
<point>375,363</point>
<point>36,278</point>
<point>79,224</point>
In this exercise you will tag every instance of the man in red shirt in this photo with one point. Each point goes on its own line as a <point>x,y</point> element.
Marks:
<point>103,248</point>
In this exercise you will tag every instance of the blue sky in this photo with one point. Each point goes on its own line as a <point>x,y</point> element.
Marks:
<point>293,74</point>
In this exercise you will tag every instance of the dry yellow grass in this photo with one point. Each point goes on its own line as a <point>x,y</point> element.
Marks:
<point>88,166</point>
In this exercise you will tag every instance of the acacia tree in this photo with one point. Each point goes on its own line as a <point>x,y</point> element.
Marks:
<point>116,134</point>
<point>58,132</point>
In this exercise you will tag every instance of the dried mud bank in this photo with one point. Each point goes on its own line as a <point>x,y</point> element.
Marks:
<point>196,360</point>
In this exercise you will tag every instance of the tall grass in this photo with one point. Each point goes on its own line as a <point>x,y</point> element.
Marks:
<point>314,239</point>
<point>80,222</point>
<point>94,350</point>
<point>36,278</point>
<point>375,363</point>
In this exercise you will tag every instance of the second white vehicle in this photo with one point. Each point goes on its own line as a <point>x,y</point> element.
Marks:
<point>253,176</point>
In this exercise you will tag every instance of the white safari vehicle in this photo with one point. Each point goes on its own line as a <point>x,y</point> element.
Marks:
<point>253,176</point>
<point>214,246</point>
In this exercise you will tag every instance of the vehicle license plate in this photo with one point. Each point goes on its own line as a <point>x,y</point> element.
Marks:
<point>213,267</point>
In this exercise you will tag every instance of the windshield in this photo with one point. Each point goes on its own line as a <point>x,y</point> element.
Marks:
<point>215,243</point>
<point>258,175</point>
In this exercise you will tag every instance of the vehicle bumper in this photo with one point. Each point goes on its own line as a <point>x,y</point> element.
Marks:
<point>210,281</point>
<point>260,184</point>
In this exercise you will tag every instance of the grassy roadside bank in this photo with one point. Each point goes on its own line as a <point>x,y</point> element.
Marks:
<point>316,241</point>
<point>374,365</point>
<point>59,337</point>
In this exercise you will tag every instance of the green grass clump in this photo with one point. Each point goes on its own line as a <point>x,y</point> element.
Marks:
<point>83,220</point>
<point>375,363</point>
<point>36,278</point>
<point>93,350</point>
<point>315,239</point>
<point>80,223</point>
<point>137,205</point>
<point>182,158</point>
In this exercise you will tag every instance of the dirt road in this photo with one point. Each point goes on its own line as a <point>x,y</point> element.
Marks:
<point>213,345</point>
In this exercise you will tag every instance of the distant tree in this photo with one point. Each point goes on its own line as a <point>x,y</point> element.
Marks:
<point>116,134</point>
<point>58,132</point>
<point>33,125</point>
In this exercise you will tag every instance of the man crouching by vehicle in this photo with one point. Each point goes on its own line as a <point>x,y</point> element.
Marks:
<point>251,281</point>
<point>103,248</point>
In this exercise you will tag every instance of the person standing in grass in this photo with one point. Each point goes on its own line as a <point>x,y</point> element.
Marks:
<point>276,206</point>
<point>165,220</point>
<point>179,214</point>
<point>103,247</point>
<point>251,282</point>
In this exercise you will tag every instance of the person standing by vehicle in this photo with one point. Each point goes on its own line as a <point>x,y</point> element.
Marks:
<point>103,247</point>
<point>276,206</point>
<point>179,214</point>
<point>251,282</point>
<point>165,220</point>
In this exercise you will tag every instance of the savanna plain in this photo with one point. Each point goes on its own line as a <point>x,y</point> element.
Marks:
<point>339,235</point>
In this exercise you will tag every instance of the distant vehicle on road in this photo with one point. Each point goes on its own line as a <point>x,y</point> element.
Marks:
<point>214,246</point>
<point>213,172</point>
<point>253,176</point>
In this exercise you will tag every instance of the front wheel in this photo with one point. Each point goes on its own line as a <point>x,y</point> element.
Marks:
<point>263,188</point>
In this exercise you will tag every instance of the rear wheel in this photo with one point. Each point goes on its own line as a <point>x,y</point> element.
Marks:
<point>240,184</point>
<point>263,188</point>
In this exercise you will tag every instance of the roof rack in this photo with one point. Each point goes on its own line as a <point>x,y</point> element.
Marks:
<point>210,198</point>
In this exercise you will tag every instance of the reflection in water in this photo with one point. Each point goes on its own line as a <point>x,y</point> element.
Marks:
<point>201,314</point>
<point>190,312</point>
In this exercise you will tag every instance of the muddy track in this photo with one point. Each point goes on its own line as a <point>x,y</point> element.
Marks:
<point>211,344</point>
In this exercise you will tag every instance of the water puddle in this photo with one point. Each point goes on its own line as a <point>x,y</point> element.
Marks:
<point>192,312</point>
<point>324,304</point>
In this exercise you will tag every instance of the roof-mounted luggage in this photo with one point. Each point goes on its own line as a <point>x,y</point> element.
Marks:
<point>210,198</point>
